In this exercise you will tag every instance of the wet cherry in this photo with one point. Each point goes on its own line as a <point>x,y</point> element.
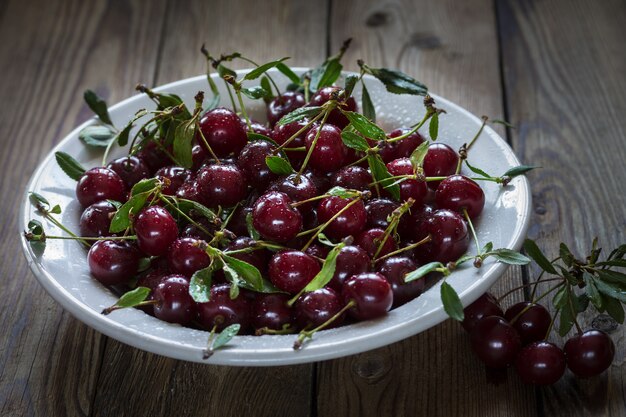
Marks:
<point>283,104</point>
<point>251,162</point>
<point>374,243</point>
<point>221,185</point>
<point>271,311</point>
<point>173,177</point>
<point>329,153</point>
<point>394,269</point>
<point>174,304</point>
<point>335,117</point>
<point>351,260</point>
<point>292,270</point>
<point>96,219</point>
<point>440,161</point>
<point>156,229</point>
<point>113,262</point>
<point>130,169</point>
<point>370,292</point>
<point>222,311</point>
<point>274,217</point>
<point>314,308</point>
<point>185,256</point>
<point>458,192</point>
<point>223,132</point>
<point>99,184</point>
<point>350,222</point>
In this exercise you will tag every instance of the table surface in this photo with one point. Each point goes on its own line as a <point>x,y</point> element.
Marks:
<point>555,69</point>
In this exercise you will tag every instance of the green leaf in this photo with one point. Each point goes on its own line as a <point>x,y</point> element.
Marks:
<point>592,291</point>
<point>326,74</point>
<point>261,69</point>
<point>363,125</point>
<point>35,227</point>
<point>351,81</point>
<point>299,114</point>
<point>323,239</point>
<point>278,165</point>
<point>69,165</point>
<point>250,275</point>
<point>188,205</point>
<point>477,170</point>
<point>37,199</point>
<point>251,230</point>
<point>433,126</point>
<point>463,259</point>
<point>535,253</point>
<point>611,290</point>
<point>98,106</point>
<point>615,277</point>
<point>519,170</point>
<point>614,309</point>
<point>568,276</point>
<point>559,299</point>
<point>488,247</point>
<point>288,72</point>
<point>134,297</point>
<point>183,143</point>
<point>328,270</point>
<point>265,83</point>
<point>418,155</point>
<point>144,185</point>
<point>200,284</point>
<point>451,302</point>
<point>621,263</point>
<point>144,264</point>
<point>618,253</point>
<point>380,174</point>
<point>256,93</point>
<point>565,254</point>
<point>97,136</point>
<point>223,71</point>
<point>123,217</point>
<point>354,141</point>
<point>56,209</point>
<point>398,82</point>
<point>122,136</point>
<point>225,336</point>
<point>343,192</point>
<point>566,321</point>
<point>509,257</point>
<point>422,271</point>
<point>369,110</point>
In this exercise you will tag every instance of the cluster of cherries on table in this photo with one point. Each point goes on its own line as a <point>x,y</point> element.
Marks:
<point>241,178</point>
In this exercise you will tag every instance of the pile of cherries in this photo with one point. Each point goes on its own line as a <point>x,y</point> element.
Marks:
<point>518,337</point>
<point>288,212</point>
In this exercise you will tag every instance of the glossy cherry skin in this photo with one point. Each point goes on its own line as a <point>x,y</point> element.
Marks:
<point>298,189</point>
<point>316,307</point>
<point>292,270</point>
<point>410,223</point>
<point>99,184</point>
<point>495,342</point>
<point>189,191</point>
<point>370,240</point>
<point>394,269</point>
<point>533,324</point>
<point>410,188</point>
<point>186,257</point>
<point>284,104</point>
<point>335,117</point>
<point>257,127</point>
<point>174,304</point>
<point>440,161</point>
<point>329,153</point>
<point>198,156</point>
<point>237,223</point>
<point>130,169</point>
<point>96,219</point>
<point>156,229</point>
<point>349,223</point>
<point>223,132</point>
<point>251,162</point>
<point>378,210</point>
<point>153,156</point>
<point>274,217</point>
<point>221,185</point>
<point>271,311</point>
<point>372,294</point>
<point>173,177</point>
<point>458,192</point>
<point>282,133</point>
<point>589,354</point>
<point>449,234</point>
<point>113,262</point>
<point>540,363</point>
<point>352,177</point>
<point>486,305</point>
<point>221,310</point>
<point>405,147</point>
<point>351,260</point>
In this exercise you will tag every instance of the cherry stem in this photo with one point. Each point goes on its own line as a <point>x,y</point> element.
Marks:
<point>208,147</point>
<point>60,225</point>
<point>182,213</point>
<point>114,307</point>
<point>533,302</point>
<point>471,226</point>
<point>208,352</point>
<point>511,291</point>
<point>532,295</point>
<point>466,147</point>
<point>230,94</point>
<point>302,202</point>
<point>393,224</point>
<point>308,334</point>
<point>319,229</point>
<point>243,108</point>
<point>287,329</point>
<point>429,113</point>
<point>299,132</point>
<point>131,237</point>
<point>571,308</point>
<point>406,248</point>
<point>317,136</point>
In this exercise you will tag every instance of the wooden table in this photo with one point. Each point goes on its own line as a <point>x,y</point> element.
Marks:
<point>555,69</point>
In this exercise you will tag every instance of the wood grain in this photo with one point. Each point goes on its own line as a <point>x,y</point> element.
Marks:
<point>451,47</point>
<point>564,66</point>
<point>49,361</point>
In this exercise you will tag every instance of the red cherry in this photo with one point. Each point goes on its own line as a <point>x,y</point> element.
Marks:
<point>130,169</point>
<point>411,188</point>
<point>186,257</point>
<point>395,269</point>
<point>292,270</point>
<point>540,363</point>
<point>486,305</point>
<point>371,294</point>
<point>350,222</point>
<point>449,234</point>
<point>99,184</point>
<point>329,153</point>
<point>283,104</point>
<point>458,192</point>
<point>533,324</point>
<point>221,185</point>
<point>96,219</point>
<point>371,239</point>
<point>251,161</point>
<point>335,117</point>
<point>274,217</point>
<point>113,262</point>
<point>440,161</point>
<point>222,311</point>
<point>589,354</point>
<point>495,342</point>
<point>223,132</point>
<point>174,304</point>
<point>156,229</point>
<point>316,307</point>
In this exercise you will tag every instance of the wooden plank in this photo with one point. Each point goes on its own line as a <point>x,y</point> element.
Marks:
<point>564,65</point>
<point>52,51</point>
<point>138,383</point>
<point>451,47</point>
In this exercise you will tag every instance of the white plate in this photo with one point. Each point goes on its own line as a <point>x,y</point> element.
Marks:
<point>63,270</point>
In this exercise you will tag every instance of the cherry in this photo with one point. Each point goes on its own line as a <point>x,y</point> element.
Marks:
<point>320,180</point>
<point>223,132</point>
<point>292,270</point>
<point>257,258</point>
<point>173,177</point>
<point>238,223</point>
<point>353,177</point>
<point>449,237</point>
<point>458,192</point>
<point>394,269</point>
<point>283,104</point>
<point>257,127</point>
<point>533,324</point>
<point>410,223</point>
<point>274,217</point>
<point>156,229</point>
<point>298,188</point>
<point>351,260</point>
<point>540,363</point>
<point>318,251</point>
<point>316,307</point>
<point>486,305</point>
<point>251,162</point>
<point>440,161</point>
<point>198,156</point>
<point>335,117</point>
<point>189,190</point>
<point>405,147</point>
<point>371,239</point>
<point>371,293</point>
<point>329,153</point>
<point>222,311</point>
<point>410,188</point>
<point>113,262</point>
<point>186,257</point>
<point>283,132</point>
<point>589,354</point>
<point>271,311</point>
<point>99,184</point>
<point>174,304</point>
<point>130,169</point>
<point>350,222</point>
<point>153,156</point>
<point>221,185</point>
<point>378,210</point>
<point>96,219</point>
<point>495,342</point>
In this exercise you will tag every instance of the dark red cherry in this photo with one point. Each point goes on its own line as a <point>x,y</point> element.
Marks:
<point>257,258</point>
<point>113,262</point>
<point>153,156</point>
<point>329,153</point>
<point>371,241</point>
<point>238,223</point>
<point>222,311</point>
<point>189,191</point>
<point>156,229</point>
<point>223,132</point>
<point>271,311</point>
<point>316,307</point>
<point>372,294</point>
<point>533,324</point>
<point>251,162</point>
<point>274,218</point>
<point>351,260</point>
<point>185,256</point>
<point>335,117</point>
<point>540,363</point>
<point>283,104</point>
<point>298,188</point>
<point>318,251</point>
<point>450,238</point>
<point>458,192</point>
<point>440,161</point>
<point>173,178</point>
<point>352,177</point>
<point>486,305</point>
<point>99,184</point>
<point>282,133</point>
<point>198,156</point>
<point>410,188</point>
<point>130,169</point>
<point>495,342</point>
<point>221,185</point>
<point>96,219</point>
<point>292,270</point>
<point>174,304</point>
<point>405,147</point>
<point>257,127</point>
<point>410,223</point>
<point>378,210</point>
<point>394,269</point>
<point>350,222</point>
<point>589,354</point>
